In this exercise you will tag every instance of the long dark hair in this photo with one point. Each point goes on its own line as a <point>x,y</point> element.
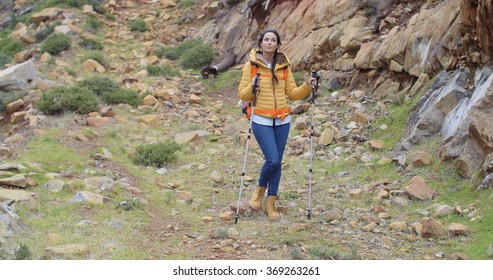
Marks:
<point>274,59</point>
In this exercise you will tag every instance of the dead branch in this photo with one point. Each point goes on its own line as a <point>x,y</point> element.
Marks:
<point>228,61</point>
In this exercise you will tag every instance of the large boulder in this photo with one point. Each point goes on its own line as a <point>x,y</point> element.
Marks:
<point>443,96</point>
<point>21,76</point>
<point>467,130</point>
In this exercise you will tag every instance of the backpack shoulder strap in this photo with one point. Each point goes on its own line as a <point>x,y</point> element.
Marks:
<point>253,68</point>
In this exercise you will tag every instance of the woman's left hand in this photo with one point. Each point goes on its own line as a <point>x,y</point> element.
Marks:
<point>312,82</point>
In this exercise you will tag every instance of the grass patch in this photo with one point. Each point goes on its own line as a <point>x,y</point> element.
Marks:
<point>164,70</point>
<point>94,55</point>
<point>157,154</point>
<point>396,121</point>
<point>4,59</point>
<point>90,44</point>
<point>332,252</point>
<point>122,95</point>
<point>226,80</point>
<point>93,24</point>
<point>10,47</point>
<point>52,155</point>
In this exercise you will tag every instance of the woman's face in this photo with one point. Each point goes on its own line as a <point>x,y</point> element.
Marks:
<point>269,42</point>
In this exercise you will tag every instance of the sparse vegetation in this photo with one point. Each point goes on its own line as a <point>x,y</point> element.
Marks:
<point>122,95</point>
<point>4,59</point>
<point>228,80</point>
<point>23,253</point>
<point>90,44</point>
<point>95,55</point>
<point>164,70</point>
<point>190,53</point>
<point>197,57</point>
<point>72,99</point>
<point>56,43</point>
<point>174,53</point>
<point>158,154</point>
<point>93,24</point>
<point>138,25</point>
<point>99,84</point>
<point>10,47</point>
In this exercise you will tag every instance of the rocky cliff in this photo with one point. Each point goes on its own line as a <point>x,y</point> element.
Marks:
<point>390,48</point>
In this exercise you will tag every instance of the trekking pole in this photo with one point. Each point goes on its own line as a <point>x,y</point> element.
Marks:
<point>254,90</point>
<point>314,90</point>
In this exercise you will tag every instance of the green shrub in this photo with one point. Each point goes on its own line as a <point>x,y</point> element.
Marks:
<point>4,59</point>
<point>98,85</point>
<point>174,53</point>
<point>93,23</point>
<point>157,154</point>
<point>191,53</point>
<point>164,70</point>
<point>94,55</point>
<point>161,52</point>
<point>197,57</point>
<point>56,43</point>
<point>90,44</point>
<point>10,47</point>
<point>168,52</point>
<point>51,102</point>
<point>109,16</point>
<point>23,253</point>
<point>138,25</point>
<point>74,99</point>
<point>81,101</point>
<point>122,95</point>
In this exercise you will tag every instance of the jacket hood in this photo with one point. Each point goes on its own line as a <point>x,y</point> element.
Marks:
<point>256,57</point>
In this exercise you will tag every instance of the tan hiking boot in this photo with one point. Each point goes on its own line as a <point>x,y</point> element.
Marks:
<point>270,208</point>
<point>256,201</point>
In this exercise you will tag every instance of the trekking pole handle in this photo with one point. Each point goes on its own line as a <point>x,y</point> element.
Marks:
<point>316,76</point>
<point>255,87</point>
<point>315,88</point>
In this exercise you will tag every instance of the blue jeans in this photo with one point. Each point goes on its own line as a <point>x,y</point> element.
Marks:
<point>272,141</point>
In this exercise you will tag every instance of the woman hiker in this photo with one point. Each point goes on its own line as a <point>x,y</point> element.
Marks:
<point>271,119</point>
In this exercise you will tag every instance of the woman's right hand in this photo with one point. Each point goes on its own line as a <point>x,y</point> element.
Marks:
<point>253,80</point>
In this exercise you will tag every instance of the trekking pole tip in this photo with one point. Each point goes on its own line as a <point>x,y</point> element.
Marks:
<point>236,220</point>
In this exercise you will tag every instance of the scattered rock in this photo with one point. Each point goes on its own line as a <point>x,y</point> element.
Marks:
<point>433,228</point>
<point>418,189</point>
<point>455,229</point>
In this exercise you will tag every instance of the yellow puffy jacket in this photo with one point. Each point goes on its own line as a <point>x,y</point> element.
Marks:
<point>271,98</point>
